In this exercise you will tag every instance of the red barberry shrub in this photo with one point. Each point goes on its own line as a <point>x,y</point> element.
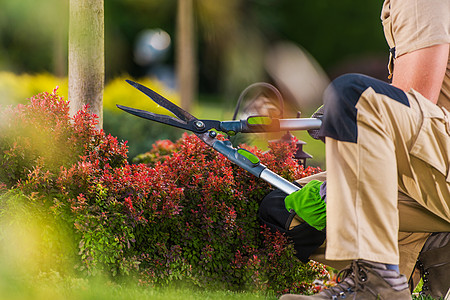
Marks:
<point>184,213</point>
<point>219,232</point>
<point>42,135</point>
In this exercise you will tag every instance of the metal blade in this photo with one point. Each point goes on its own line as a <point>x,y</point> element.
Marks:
<point>157,98</point>
<point>207,138</point>
<point>155,117</point>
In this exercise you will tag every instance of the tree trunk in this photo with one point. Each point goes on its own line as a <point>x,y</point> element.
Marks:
<point>86,56</point>
<point>185,53</point>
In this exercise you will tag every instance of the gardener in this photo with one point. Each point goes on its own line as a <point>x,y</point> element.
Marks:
<point>383,138</point>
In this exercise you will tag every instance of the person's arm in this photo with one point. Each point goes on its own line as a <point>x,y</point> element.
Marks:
<point>422,70</point>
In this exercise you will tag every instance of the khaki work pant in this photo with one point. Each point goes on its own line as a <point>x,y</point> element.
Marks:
<point>399,146</point>
<point>409,243</point>
<point>388,180</point>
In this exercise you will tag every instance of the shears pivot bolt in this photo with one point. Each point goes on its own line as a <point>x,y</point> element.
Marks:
<point>199,124</point>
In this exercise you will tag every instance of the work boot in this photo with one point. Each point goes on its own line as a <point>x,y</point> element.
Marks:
<point>434,265</point>
<point>363,280</point>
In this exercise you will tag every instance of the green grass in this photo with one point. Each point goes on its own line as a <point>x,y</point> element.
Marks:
<point>55,287</point>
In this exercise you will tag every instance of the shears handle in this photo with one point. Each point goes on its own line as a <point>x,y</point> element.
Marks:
<point>260,124</point>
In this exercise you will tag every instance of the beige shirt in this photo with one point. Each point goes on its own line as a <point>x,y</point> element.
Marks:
<point>414,24</point>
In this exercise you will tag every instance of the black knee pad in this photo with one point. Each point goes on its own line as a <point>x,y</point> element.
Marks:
<point>340,98</point>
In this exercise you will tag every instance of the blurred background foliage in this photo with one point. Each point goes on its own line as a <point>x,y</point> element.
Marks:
<point>234,40</point>
<point>33,36</point>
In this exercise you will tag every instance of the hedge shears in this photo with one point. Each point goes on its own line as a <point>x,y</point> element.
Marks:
<point>206,130</point>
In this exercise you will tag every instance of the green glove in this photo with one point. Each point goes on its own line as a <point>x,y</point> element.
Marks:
<point>308,205</point>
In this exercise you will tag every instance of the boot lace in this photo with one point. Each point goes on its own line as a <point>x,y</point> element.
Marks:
<point>350,280</point>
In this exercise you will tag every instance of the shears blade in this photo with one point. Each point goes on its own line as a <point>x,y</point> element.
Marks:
<point>155,117</point>
<point>157,98</point>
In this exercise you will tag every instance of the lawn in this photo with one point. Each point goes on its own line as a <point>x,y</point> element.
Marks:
<point>53,286</point>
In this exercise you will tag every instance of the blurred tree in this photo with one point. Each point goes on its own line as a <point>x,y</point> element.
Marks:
<point>86,56</point>
<point>224,40</point>
<point>230,45</point>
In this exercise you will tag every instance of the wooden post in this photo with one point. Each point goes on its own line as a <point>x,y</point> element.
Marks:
<point>86,56</point>
<point>185,53</point>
